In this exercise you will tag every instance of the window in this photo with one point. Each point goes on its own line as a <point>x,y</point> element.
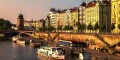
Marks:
<point>114,6</point>
<point>119,19</point>
<point>119,5</point>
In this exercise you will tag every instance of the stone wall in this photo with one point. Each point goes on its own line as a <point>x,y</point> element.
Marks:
<point>94,40</point>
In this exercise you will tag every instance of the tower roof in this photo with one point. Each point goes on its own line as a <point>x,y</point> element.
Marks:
<point>20,15</point>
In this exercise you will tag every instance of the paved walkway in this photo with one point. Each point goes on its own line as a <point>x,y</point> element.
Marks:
<point>102,55</point>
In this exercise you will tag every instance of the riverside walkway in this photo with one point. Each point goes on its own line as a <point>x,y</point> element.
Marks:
<point>101,55</point>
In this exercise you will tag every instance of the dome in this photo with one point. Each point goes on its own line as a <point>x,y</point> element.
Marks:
<point>20,15</point>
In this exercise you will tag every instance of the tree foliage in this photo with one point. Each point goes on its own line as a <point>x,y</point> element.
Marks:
<point>68,28</point>
<point>42,29</point>
<point>5,24</point>
<point>118,26</point>
<point>81,27</point>
<point>112,26</point>
<point>51,28</point>
<point>90,27</point>
<point>96,26</point>
<point>59,27</point>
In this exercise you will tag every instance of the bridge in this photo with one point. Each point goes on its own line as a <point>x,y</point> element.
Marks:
<point>8,32</point>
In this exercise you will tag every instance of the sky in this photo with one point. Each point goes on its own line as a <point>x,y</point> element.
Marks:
<point>32,9</point>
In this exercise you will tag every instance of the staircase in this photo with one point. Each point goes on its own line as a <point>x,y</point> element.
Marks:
<point>101,39</point>
<point>108,45</point>
<point>51,40</point>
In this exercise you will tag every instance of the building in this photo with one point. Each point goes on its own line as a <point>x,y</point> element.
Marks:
<point>20,22</point>
<point>67,17</point>
<point>115,14</point>
<point>74,17</point>
<point>82,13</point>
<point>98,12</point>
<point>60,18</point>
<point>34,25</point>
<point>52,16</point>
<point>57,18</point>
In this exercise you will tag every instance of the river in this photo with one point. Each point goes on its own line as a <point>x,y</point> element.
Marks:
<point>12,51</point>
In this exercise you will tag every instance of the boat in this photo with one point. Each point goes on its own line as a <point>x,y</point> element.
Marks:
<point>15,38</point>
<point>35,44</point>
<point>53,52</point>
<point>20,41</point>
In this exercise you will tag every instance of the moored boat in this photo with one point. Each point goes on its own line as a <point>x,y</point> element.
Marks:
<point>35,44</point>
<point>53,52</point>
<point>15,38</point>
<point>21,41</point>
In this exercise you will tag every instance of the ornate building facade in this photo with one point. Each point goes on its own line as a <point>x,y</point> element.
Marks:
<point>115,14</point>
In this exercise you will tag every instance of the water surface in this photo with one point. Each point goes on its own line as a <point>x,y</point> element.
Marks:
<point>12,51</point>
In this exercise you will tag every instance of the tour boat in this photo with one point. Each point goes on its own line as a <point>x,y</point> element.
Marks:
<point>53,52</point>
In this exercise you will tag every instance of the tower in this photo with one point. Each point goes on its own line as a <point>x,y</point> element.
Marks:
<point>20,22</point>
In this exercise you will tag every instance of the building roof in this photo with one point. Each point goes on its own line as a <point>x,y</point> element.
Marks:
<point>91,4</point>
<point>75,9</point>
<point>83,4</point>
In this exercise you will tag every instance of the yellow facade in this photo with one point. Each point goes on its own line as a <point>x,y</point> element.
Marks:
<point>91,16</point>
<point>115,14</point>
<point>60,19</point>
<point>74,18</point>
<point>99,13</point>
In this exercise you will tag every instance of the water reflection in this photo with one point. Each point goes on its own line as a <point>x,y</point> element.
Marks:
<point>12,51</point>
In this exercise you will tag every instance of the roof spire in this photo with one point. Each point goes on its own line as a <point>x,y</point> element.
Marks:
<point>20,11</point>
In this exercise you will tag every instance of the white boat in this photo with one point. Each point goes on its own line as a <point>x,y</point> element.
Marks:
<point>53,52</point>
<point>15,38</point>
<point>20,41</point>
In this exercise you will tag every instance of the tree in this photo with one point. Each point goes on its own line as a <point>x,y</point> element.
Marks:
<point>112,26</point>
<point>96,26</point>
<point>119,26</point>
<point>51,28</point>
<point>5,24</point>
<point>90,27</point>
<point>68,28</point>
<point>81,27</point>
<point>59,27</point>
<point>65,28</point>
<point>42,29</point>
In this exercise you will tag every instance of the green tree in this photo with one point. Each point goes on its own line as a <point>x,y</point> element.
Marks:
<point>68,28</point>
<point>119,26</point>
<point>42,29</point>
<point>96,26</point>
<point>51,28</point>
<point>112,26</point>
<point>65,28</point>
<point>81,27</point>
<point>59,27</point>
<point>5,24</point>
<point>90,27</point>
